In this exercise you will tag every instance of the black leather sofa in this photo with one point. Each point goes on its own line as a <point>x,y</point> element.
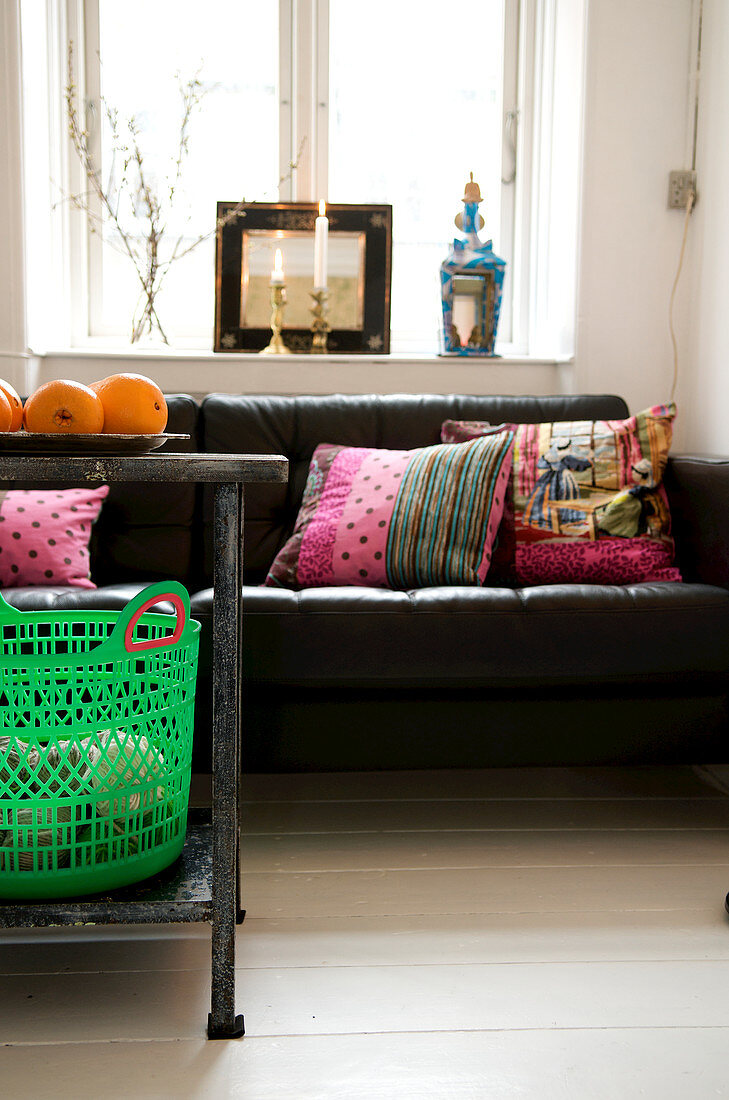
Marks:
<point>344,678</point>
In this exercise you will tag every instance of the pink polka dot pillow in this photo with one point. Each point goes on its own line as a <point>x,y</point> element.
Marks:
<point>44,536</point>
<point>398,519</point>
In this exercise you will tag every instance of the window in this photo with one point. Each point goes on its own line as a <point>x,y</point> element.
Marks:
<point>409,118</point>
<point>232,139</point>
<point>373,103</point>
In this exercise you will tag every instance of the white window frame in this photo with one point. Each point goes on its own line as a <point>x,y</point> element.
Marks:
<point>304,98</point>
<point>535,213</point>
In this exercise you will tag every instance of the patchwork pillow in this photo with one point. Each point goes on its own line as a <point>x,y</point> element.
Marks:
<point>398,519</point>
<point>44,536</point>
<point>589,505</point>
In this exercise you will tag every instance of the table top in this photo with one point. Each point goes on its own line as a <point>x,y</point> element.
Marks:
<point>217,468</point>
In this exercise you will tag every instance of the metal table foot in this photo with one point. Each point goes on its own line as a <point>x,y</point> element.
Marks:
<point>225,1031</point>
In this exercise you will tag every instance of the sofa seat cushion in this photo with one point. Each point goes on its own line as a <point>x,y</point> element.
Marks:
<point>550,635</point>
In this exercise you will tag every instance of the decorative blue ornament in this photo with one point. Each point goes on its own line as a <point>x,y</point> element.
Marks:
<point>471,283</point>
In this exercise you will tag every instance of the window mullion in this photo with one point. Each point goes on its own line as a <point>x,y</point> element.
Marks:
<point>90,249</point>
<point>321,100</point>
<point>510,166</point>
<point>70,228</point>
<point>541,188</point>
<point>46,184</point>
<point>286,98</point>
<point>304,144</point>
<point>310,81</point>
<point>555,175</point>
<point>523,182</point>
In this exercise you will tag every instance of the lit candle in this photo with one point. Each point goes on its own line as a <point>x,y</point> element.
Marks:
<point>277,275</point>
<point>321,237</point>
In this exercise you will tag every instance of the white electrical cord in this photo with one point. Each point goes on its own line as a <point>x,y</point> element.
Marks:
<point>689,208</point>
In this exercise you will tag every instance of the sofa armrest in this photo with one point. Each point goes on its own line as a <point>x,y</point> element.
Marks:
<point>698,493</point>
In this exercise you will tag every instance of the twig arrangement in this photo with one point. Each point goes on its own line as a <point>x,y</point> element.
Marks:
<point>132,211</point>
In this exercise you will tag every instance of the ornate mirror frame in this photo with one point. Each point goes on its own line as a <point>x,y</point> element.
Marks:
<point>243,223</point>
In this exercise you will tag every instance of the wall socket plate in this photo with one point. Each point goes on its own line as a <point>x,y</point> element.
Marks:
<point>680,186</point>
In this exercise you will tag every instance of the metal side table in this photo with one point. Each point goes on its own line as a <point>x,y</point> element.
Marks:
<point>205,883</point>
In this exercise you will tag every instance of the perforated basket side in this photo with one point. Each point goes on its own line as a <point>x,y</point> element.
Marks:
<point>76,817</point>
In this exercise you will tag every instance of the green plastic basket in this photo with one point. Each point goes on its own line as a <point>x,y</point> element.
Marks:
<point>96,725</point>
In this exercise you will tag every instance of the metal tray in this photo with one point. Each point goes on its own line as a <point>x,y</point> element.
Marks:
<point>67,443</point>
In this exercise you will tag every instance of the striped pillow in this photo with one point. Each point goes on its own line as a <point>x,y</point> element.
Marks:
<point>398,519</point>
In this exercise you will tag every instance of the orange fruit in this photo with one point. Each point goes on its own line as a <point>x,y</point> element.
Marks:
<point>63,406</point>
<point>133,404</point>
<point>6,413</point>
<point>16,406</point>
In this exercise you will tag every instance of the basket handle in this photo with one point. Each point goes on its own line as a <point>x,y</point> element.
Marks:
<point>123,632</point>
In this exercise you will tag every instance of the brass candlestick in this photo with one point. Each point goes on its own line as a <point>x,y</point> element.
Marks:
<point>319,326</point>
<point>278,301</point>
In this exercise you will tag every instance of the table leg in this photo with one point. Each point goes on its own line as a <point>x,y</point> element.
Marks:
<point>222,1021</point>
<point>240,911</point>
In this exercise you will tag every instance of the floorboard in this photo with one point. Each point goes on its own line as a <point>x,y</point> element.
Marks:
<point>541,933</point>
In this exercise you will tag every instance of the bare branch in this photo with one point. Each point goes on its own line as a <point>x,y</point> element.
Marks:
<point>134,195</point>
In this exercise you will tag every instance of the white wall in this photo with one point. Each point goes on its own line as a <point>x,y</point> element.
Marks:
<point>705,384</point>
<point>638,57</point>
<point>636,106</point>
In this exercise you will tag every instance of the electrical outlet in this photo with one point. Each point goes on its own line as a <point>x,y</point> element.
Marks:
<point>680,186</point>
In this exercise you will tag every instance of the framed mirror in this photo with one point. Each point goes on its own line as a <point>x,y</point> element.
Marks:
<point>358,275</point>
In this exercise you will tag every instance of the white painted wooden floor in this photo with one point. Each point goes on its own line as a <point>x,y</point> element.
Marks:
<point>541,933</point>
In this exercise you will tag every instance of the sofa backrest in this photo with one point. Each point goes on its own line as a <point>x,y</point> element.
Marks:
<point>295,426</point>
<point>150,531</point>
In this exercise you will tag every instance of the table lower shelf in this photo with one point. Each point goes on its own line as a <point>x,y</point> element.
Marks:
<point>180,894</point>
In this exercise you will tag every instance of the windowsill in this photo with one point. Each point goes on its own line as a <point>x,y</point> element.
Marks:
<point>176,354</point>
<point>197,372</point>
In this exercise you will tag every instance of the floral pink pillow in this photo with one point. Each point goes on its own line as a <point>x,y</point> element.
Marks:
<point>398,519</point>
<point>44,536</point>
<point>589,503</point>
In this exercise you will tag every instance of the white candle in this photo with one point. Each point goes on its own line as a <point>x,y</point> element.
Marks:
<point>321,239</point>
<point>277,275</point>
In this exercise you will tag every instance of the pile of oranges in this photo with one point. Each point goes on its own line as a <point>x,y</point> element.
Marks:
<point>128,404</point>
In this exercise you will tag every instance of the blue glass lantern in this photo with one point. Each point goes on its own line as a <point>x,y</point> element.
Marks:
<point>471,283</point>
